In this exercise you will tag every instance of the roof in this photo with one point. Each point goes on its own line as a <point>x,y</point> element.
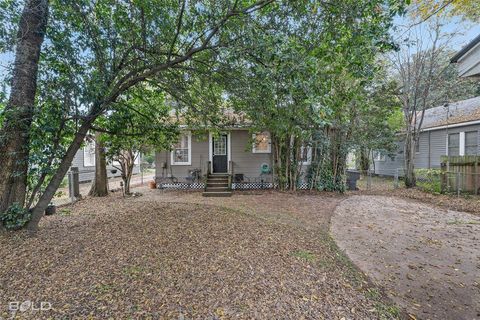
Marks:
<point>452,113</point>
<point>465,49</point>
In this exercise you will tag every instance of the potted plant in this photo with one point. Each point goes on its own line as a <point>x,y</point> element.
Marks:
<point>51,209</point>
<point>152,184</point>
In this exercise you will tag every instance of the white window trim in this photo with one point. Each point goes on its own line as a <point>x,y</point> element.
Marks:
<point>269,150</point>
<point>461,149</point>
<point>461,143</point>
<point>379,157</point>
<point>189,162</point>
<point>309,155</point>
<point>85,153</point>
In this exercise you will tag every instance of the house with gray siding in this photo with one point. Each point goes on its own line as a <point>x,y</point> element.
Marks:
<point>84,161</point>
<point>452,129</point>
<point>235,154</point>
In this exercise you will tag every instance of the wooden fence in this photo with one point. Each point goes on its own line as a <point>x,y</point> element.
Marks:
<point>461,174</point>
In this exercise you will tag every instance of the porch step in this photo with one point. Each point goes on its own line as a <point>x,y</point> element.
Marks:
<point>217,194</point>
<point>217,189</point>
<point>217,186</point>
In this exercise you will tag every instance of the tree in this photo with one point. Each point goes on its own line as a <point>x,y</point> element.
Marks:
<point>110,49</point>
<point>469,9</point>
<point>418,68</point>
<point>18,113</point>
<point>100,181</point>
<point>141,122</point>
<point>379,121</point>
<point>305,83</point>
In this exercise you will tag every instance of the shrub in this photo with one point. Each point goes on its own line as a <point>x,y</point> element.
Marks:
<point>429,180</point>
<point>15,217</point>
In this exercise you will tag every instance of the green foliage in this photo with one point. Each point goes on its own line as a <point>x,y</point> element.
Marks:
<point>15,217</point>
<point>305,255</point>
<point>429,180</point>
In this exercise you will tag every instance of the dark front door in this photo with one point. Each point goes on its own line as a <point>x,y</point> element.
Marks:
<point>220,157</point>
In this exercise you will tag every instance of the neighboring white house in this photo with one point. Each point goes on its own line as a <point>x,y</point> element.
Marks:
<point>84,160</point>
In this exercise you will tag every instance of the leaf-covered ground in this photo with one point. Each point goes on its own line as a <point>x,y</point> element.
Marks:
<point>180,256</point>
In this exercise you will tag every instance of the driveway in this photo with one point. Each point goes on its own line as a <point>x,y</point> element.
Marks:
<point>427,259</point>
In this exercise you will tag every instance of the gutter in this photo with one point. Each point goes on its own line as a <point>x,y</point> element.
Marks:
<point>461,124</point>
<point>465,49</point>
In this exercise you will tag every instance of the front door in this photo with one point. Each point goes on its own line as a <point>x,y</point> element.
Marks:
<point>219,156</point>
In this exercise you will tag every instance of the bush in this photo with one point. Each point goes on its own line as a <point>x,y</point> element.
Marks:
<point>15,217</point>
<point>429,180</point>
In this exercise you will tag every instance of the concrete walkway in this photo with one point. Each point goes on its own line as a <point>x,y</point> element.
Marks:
<point>426,258</point>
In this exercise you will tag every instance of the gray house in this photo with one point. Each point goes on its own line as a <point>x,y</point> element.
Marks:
<point>84,160</point>
<point>468,59</point>
<point>452,130</point>
<point>233,159</point>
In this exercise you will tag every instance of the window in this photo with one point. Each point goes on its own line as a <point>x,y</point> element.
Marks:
<point>417,146</point>
<point>454,144</point>
<point>306,155</point>
<point>182,151</point>
<point>89,154</point>
<point>220,145</point>
<point>378,156</point>
<point>471,143</point>
<point>261,143</point>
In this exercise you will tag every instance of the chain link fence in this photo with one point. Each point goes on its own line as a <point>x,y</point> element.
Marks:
<point>76,187</point>
<point>430,180</point>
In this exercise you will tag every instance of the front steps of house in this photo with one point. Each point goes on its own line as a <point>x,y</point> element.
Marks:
<point>217,186</point>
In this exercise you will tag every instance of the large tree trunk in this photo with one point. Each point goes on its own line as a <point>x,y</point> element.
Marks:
<point>46,197</point>
<point>100,183</point>
<point>14,135</point>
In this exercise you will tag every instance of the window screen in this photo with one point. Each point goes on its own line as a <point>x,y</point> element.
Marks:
<point>453,144</point>
<point>471,143</point>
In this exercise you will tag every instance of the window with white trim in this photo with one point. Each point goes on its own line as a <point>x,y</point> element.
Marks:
<point>454,144</point>
<point>262,143</point>
<point>471,143</point>
<point>89,154</point>
<point>305,155</point>
<point>182,151</point>
<point>378,156</point>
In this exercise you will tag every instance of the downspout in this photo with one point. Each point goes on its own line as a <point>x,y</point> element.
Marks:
<point>429,149</point>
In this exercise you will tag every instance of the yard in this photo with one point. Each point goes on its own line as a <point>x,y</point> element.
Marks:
<point>258,254</point>
<point>177,254</point>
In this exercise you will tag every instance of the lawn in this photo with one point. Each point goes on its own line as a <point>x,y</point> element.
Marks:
<point>173,255</point>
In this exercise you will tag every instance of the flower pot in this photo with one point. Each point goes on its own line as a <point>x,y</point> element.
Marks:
<point>51,209</point>
<point>152,184</point>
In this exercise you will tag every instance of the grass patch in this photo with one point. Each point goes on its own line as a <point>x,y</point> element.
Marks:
<point>305,255</point>
<point>387,311</point>
<point>65,212</point>
<point>133,271</point>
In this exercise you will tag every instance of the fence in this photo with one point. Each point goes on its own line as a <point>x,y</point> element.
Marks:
<point>73,188</point>
<point>461,173</point>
